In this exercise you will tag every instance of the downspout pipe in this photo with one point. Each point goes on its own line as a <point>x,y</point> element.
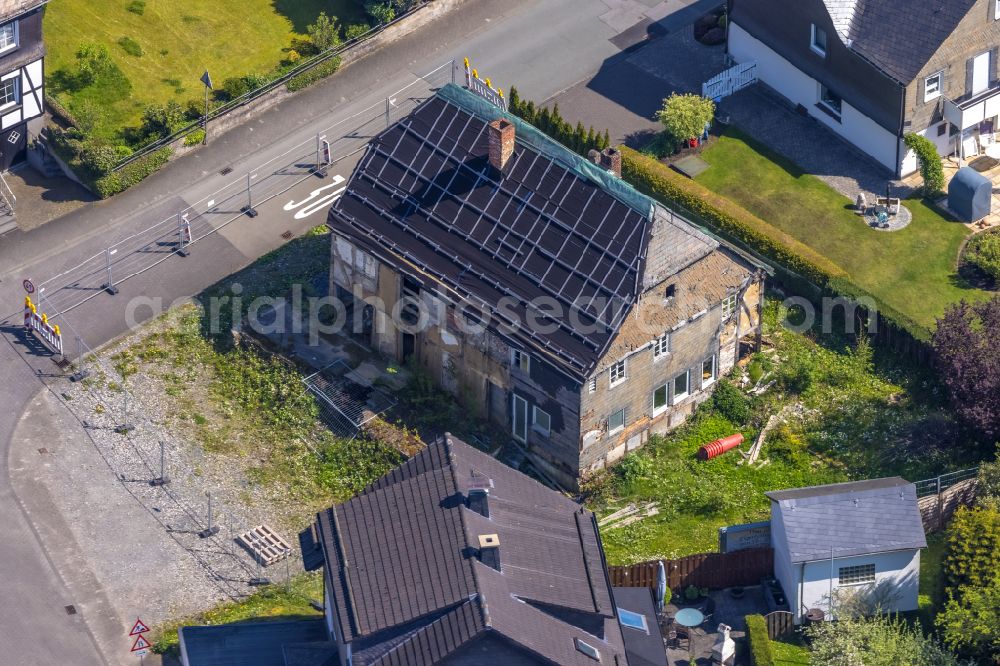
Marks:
<point>902,119</point>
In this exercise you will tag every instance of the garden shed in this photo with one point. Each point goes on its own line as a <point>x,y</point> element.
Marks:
<point>847,538</point>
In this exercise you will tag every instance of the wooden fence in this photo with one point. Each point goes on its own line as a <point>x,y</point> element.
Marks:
<point>712,570</point>
<point>779,624</point>
<point>937,509</point>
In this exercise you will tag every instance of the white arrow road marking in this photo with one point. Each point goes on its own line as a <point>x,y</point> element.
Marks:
<point>292,205</point>
<point>319,205</point>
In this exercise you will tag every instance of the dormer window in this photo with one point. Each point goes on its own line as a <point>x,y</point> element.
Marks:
<point>587,649</point>
<point>8,36</point>
<point>520,360</point>
<point>817,40</point>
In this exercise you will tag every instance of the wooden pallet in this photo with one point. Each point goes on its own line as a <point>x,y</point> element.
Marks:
<point>265,545</point>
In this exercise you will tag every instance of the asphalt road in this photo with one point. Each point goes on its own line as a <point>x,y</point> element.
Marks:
<point>541,47</point>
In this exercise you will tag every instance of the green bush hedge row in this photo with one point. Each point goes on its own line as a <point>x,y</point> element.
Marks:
<point>740,226</point>
<point>315,74</point>
<point>131,174</point>
<point>761,652</point>
<point>983,252</point>
<point>728,219</point>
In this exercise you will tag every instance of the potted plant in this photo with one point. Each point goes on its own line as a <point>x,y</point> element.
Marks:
<point>736,592</point>
<point>692,594</point>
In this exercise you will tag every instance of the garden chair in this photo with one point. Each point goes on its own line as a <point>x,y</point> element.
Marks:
<point>683,638</point>
<point>671,638</point>
<point>709,610</point>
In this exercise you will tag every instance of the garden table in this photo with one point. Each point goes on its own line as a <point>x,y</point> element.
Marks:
<point>689,617</point>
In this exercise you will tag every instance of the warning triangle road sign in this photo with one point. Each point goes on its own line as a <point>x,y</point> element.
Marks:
<point>138,628</point>
<point>140,643</point>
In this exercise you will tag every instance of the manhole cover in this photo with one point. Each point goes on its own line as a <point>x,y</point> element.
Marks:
<point>71,610</point>
<point>226,171</point>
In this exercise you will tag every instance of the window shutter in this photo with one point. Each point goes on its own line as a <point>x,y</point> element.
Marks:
<point>994,76</point>
<point>968,76</point>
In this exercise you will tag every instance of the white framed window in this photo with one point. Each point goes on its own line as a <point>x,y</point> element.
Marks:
<point>661,347</point>
<point>10,90</point>
<point>830,101</point>
<point>8,36</point>
<point>633,620</point>
<point>541,421</point>
<point>857,574</point>
<point>682,386</point>
<point>616,373</point>
<point>519,359</point>
<point>817,40</point>
<point>932,85</point>
<point>659,399</point>
<point>366,264</point>
<point>729,306</point>
<point>593,384</point>
<point>708,371</point>
<point>616,421</point>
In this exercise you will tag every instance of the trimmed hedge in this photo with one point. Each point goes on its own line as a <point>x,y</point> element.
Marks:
<point>740,226</point>
<point>930,163</point>
<point>727,218</point>
<point>131,174</point>
<point>761,652</point>
<point>317,73</point>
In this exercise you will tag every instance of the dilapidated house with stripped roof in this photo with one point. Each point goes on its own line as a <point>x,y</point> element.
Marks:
<point>543,291</point>
<point>455,558</point>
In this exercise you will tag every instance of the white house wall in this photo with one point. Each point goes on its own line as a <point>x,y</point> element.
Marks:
<point>784,571</point>
<point>32,89</point>
<point>902,568</point>
<point>857,128</point>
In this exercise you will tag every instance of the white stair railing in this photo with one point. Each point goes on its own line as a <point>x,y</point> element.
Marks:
<point>7,195</point>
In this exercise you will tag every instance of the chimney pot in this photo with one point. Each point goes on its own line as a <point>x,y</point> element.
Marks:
<point>501,133</point>
<point>611,159</point>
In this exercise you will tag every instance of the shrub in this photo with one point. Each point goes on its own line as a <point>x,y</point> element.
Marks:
<point>731,403</point>
<point>159,121</point>
<point>633,467</point>
<point>761,652</point>
<point>133,173</point>
<point>317,73</point>
<point>92,60</point>
<point>983,252</point>
<point>973,541</point>
<point>577,139</point>
<point>324,33</point>
<point>687,115</point>
<point>131,47</point>
<point>381,12</point>
<point>355,30</point>
<point>691,592</point>
<point>755,371</point>
<point>876,640</point>
<point>237,86</point>
<point>194,138</point>
<point>137,7</point>
<point>965,356</point>
<point>97,161</point>
<point>929,161</point>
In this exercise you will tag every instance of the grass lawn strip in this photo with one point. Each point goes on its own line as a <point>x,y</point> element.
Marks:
<point>274,602</point>
<point>179,40</point>
<point>912,270</point>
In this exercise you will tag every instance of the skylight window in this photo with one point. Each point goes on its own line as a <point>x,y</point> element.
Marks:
<point>633,620</point>
<point>587,649</point>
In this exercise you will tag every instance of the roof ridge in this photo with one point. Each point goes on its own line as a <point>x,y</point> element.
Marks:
<point>468,561</point>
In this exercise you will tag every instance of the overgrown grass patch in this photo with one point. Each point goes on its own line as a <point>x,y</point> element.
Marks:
<point>913,270</point>
<point>274,602</point>
<point>846,417</point>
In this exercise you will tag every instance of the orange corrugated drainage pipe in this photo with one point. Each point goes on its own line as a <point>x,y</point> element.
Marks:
<point>719,446</point>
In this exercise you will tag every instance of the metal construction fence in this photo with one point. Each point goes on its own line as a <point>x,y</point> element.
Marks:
<point>140,251</point>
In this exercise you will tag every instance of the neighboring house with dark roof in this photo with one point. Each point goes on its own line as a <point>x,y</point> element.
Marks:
<point>875,70</point>
<point>549,295</point>
<point>455,558</point>
<point>22,94</point>
<point>847,537</point>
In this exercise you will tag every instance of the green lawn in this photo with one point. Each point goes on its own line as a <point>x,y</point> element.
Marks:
<point>931,595</point>
<point>179,39</point>
<point>790,654</point>
<point>912,270</point>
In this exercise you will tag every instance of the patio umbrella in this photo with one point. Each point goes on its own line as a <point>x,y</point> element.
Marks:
<point>661,587</point>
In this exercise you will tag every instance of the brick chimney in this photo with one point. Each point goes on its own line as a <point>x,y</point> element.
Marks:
<point>611,160</point>
<point>501,133</point>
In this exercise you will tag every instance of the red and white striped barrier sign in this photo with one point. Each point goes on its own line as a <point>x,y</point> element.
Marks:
<point>39,323</point>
